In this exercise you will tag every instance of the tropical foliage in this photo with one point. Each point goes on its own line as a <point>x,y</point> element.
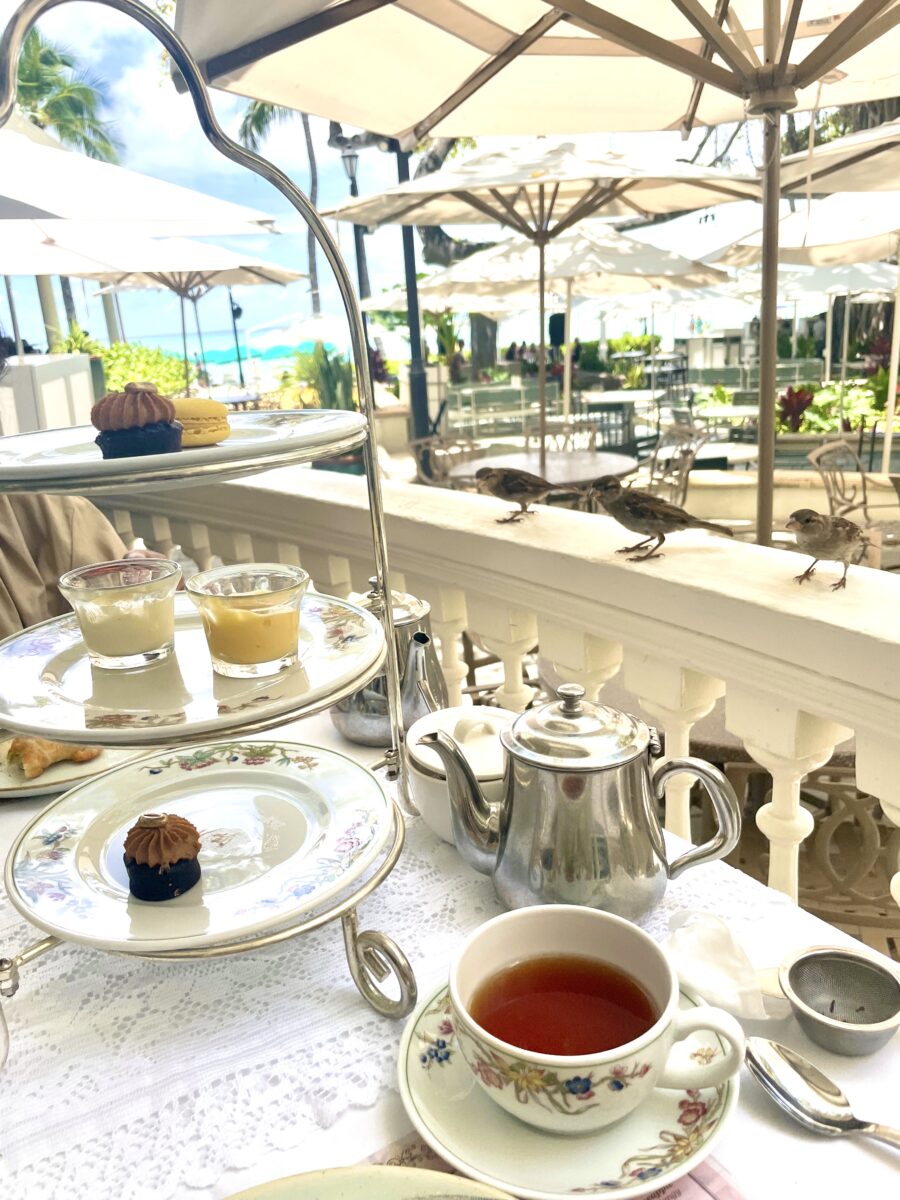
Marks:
<point>77,342</point>
<point>125,362</point>
<point>56,94</point>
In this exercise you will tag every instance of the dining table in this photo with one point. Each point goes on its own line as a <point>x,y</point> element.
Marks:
<point>195,1080</point>
<point>563,467</point>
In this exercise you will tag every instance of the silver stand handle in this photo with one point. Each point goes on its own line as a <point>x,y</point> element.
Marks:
<point>372,956</point>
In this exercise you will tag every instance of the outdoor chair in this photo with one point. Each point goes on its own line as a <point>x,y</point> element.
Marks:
<point>436,456</point>
<point>666,472</point>
<point>847,485</point>
<point>571,433</point>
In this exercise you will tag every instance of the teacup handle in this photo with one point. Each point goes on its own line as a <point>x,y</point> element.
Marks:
<point>700,1074</point>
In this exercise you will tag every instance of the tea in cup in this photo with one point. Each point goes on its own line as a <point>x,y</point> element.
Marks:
<point>251,616</point>
<point>566,1016</point>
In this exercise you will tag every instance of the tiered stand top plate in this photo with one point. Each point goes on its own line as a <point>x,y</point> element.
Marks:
<point>67,460</point>
<point>49,688</point>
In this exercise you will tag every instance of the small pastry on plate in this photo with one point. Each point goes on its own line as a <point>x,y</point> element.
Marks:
<point>34,755</point>
<point>161,856</point>
<point>205,421</point>
<point>135,422</point>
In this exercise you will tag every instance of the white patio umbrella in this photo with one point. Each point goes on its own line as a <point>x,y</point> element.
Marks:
<point>867,161</point>
<point>479,67</point>
<point>188,268</point>
<point>542,189</point>
<point>585,260</point>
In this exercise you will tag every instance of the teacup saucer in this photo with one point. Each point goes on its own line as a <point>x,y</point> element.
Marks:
<point>658,1143</point>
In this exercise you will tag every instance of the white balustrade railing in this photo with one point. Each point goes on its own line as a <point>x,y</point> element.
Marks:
<point>801,668</point>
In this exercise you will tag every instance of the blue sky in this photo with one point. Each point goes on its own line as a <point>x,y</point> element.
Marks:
<point>161,138</point>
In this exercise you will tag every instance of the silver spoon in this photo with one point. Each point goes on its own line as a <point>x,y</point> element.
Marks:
<point>810,1097</point>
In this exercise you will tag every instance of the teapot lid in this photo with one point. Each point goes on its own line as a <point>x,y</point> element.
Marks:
<point>572,734</point>
<point>407,608</point>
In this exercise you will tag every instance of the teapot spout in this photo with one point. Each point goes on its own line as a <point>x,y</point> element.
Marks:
<point>416,695</point>
<point>474,820</point>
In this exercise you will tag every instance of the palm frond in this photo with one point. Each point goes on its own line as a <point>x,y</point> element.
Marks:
<point>257,122</point>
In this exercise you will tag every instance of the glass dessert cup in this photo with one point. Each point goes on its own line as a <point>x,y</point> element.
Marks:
<point>126,610</point>
<point>251,616</point>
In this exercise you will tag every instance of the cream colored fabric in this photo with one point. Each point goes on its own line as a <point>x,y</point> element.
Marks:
<point>41,537</point>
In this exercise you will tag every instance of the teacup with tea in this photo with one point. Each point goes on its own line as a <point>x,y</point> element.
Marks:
<point>567,1016</point>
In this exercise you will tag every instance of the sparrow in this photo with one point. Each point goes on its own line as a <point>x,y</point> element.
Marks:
<point>519,487</point>
<point>832,539</point>
<point>644,513</point>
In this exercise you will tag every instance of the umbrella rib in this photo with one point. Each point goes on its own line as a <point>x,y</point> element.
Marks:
<point>687,121</point>
<point>513,218</point>
<point>815,176</point>
<point>642,42</point>
<point>597,195</point>
<point>488,69</point>
<point>858,29</point>
<point>288,35</point>
<point>550,205</point>
<point>711,29</point>
<point>733,21</point>
<point>786,40</point>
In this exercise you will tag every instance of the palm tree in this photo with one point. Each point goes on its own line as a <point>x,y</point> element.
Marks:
<point>256,124</point>
<point>54,93</point>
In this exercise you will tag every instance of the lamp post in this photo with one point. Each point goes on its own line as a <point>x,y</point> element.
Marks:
<point>236,313</point>
<point>350,159</point>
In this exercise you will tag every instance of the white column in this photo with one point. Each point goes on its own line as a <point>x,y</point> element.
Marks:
<point>674,698</point>
<point>794,333</point>
<point>448,620</point>
<point>578,657</point>
<point>829,336</point>
<point>509,633</point>
<point>788,743</point>
<point>892,377</point>
<point>567,362</point>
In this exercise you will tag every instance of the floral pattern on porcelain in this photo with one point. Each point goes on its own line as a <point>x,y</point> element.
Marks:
<point>38,874</point>
<point>245,754</point>
<point>533,1084</point>
<point>437,1045</point>
<point>698,1117</point>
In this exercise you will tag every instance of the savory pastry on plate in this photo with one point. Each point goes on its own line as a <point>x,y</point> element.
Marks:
<point>34,755</point>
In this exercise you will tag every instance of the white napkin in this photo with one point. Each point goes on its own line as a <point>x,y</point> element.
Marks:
<point>710,961</point>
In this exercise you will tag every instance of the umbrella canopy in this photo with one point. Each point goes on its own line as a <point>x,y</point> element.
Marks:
<point>868,161</point>
<point>541,189</point>
<point>41,178</point>
<point>464,67</point>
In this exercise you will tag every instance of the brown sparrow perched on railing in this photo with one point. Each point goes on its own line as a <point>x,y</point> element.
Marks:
<point>829,539</point>
<point>644,513</point>
<point>519,487</point>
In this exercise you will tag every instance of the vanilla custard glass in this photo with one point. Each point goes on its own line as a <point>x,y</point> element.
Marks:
<point>126,610</point>
<point>251,616</point>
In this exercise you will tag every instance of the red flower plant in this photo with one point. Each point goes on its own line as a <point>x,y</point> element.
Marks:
<point>794,403</point>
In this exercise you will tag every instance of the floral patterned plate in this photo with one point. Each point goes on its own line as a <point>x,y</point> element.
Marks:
<point>372,1183</point>
<point>58,778</point>
<point>48,687</point>
<point>284,827</point>
<point>656,1144</point>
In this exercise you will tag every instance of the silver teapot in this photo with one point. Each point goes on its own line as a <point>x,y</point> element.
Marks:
<point>364,717</point>
<point>577,823</point>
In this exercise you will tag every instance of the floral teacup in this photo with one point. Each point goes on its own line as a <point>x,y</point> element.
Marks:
<point>583,1093</point>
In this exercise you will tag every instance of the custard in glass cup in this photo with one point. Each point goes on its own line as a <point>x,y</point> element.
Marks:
<point>251,616</point>
<point>126,610</point>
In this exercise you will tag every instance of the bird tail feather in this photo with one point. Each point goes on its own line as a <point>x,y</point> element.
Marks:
<point>713,528</point>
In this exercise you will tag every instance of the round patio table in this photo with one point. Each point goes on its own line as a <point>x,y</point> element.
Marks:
<point>563,467</point>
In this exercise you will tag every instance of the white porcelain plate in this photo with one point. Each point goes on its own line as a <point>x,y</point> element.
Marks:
<point>48,686</point>
<point>659,1142</point>
<point>64,460</point>
<point>372,1183</point>
<point>283,828</point>
<point>58,778</point>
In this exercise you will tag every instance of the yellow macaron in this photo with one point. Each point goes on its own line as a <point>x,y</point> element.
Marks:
<point>205,421</point>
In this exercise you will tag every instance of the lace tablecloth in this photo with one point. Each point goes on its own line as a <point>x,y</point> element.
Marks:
<point>147,1080</point>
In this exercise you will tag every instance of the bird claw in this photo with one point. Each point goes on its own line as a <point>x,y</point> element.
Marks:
<point>841,583</point>
<point>803,578</point>
<point>516,516</point>
<point>644,557</point>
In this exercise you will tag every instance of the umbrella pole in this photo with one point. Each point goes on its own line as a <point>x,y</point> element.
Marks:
<point>829,335</point>
<point>237,342</point>
<point>119,316</point>
<point>768,327</point>
<point>187,366</point>
<point>891,404</point>
<point>845,350</point>
<point>542,363</point>
<point>200,340</point>
<point>20,349</point>
<point>567,337</point>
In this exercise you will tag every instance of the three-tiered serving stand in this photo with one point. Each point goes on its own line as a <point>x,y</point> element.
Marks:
<point>372,956</point>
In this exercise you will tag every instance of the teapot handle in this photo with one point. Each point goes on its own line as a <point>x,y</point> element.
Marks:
<point>725,805</point>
